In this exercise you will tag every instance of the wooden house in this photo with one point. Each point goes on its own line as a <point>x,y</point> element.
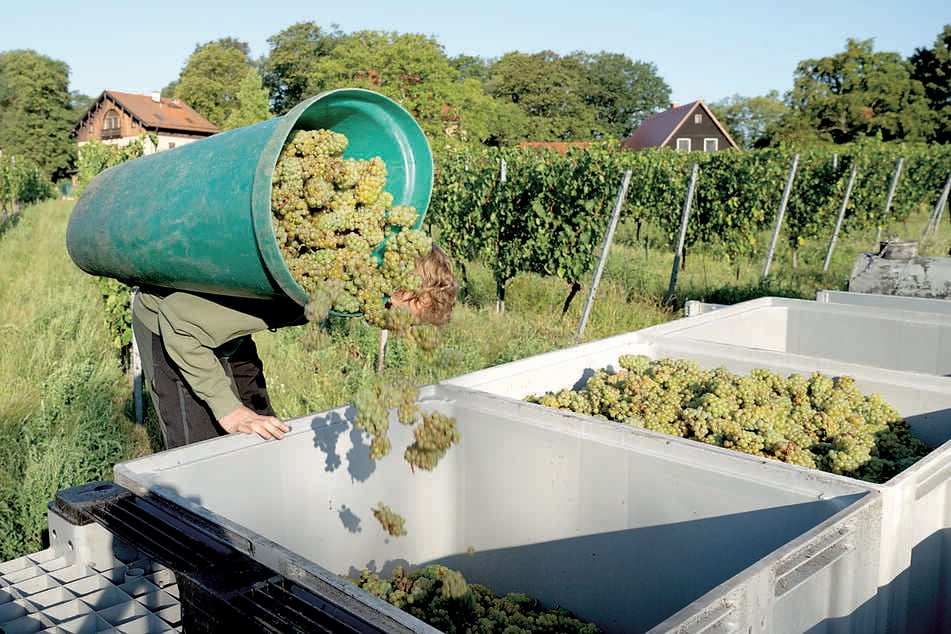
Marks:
<point>121,117</point>
<point>691,128</point>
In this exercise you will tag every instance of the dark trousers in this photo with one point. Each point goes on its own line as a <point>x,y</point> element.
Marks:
<point>185,418</point>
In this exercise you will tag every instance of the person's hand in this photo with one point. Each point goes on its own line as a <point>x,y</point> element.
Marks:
<point>248,421</point>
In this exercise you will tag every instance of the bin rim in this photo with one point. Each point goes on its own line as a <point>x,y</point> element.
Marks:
<point>406,133</point>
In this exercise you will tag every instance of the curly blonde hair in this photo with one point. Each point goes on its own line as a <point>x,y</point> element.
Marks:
<point>433,302</point>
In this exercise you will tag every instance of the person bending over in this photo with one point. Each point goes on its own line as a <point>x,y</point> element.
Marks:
<point>201,365</point>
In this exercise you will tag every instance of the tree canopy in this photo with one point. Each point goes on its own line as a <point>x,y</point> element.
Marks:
<point>251,102</point>
<point>211,78</point>
<point>621,92</point>
<point>36,116</point>
<point>853,94</point>
<point>550,91</point>
<point>411,69</point>
<point>289,67</point>
<point>750,120</point>
<point>932,67</point>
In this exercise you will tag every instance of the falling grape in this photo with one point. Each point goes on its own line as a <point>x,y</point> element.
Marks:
<point>330,215</point>
<point>391,522</point>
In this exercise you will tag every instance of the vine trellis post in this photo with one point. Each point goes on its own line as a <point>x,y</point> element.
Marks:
<point>935,217</point>
<point>678,254</point>
<point>605,247</point>
<point>500,288</point>
<point>779,216</point>
<point>838,220</point>
<point>888,199</point>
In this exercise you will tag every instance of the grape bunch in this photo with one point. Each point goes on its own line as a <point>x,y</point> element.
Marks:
<point>434,433</point>
<point>441,597</point>
<point>391,522</point>
<point>818,421</point>
<point>330,215</point>
<point>434,436</point>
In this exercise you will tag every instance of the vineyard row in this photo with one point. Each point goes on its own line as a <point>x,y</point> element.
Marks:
<point>521,210</point>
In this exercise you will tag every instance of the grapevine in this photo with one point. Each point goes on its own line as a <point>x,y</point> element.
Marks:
<point>818,421</point>
<point>442,597</point>
<point>549,214</point>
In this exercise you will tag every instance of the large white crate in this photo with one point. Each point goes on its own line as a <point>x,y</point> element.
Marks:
<point>899,335</point>
<point>877,300</point>
<point>619,525</point>
<point>915,590</point>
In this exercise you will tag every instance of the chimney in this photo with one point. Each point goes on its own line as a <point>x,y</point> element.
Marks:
<point>156,96</point>
<point>674,104</point>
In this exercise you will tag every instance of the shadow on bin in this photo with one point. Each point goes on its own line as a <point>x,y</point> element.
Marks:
<point>198,217</point>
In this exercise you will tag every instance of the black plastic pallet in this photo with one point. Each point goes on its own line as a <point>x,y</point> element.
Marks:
<point>221,588</point>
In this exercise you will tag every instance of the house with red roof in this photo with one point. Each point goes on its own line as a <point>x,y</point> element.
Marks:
<point>121,117</point>
<point>690,128</point>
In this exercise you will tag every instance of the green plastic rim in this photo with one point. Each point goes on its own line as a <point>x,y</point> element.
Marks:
<point>375,125</point>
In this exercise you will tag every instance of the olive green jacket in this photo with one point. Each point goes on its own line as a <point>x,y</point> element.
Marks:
<point>198,329</point>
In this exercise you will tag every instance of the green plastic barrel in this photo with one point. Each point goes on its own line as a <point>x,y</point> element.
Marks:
<point>198,217</point>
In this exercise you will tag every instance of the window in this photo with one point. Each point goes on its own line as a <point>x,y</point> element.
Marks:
<point>111,121</point>
<point>711,145</point>
<point>683,144</point>
<point>698,118</point>
<point>110,126</point>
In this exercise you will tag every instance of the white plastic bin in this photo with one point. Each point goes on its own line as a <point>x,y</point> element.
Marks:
<point>877,300</point>
<point>623,527</point>
<point>915,591</point>
<point>895,335</point>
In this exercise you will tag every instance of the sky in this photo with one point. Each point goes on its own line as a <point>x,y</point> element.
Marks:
<point>702,49</point>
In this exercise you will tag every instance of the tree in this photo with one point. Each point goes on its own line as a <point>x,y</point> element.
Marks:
<point>932,67</point>
<point>252,102</point>
<point>471,67</point>
<point>36,117</point>
<point>750,120</point>
<point>79,103</point>
<point>856,93</point>
<point>411,69</point>
<point>550,90</point>
<point>487,120</point>
<point>622,92</point>
<point>212,77</point>
<point>472,115</point>
<point>290,66</point>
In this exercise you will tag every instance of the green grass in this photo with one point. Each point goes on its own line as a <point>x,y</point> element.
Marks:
<point>63,396</point>
<point>66,404</point>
